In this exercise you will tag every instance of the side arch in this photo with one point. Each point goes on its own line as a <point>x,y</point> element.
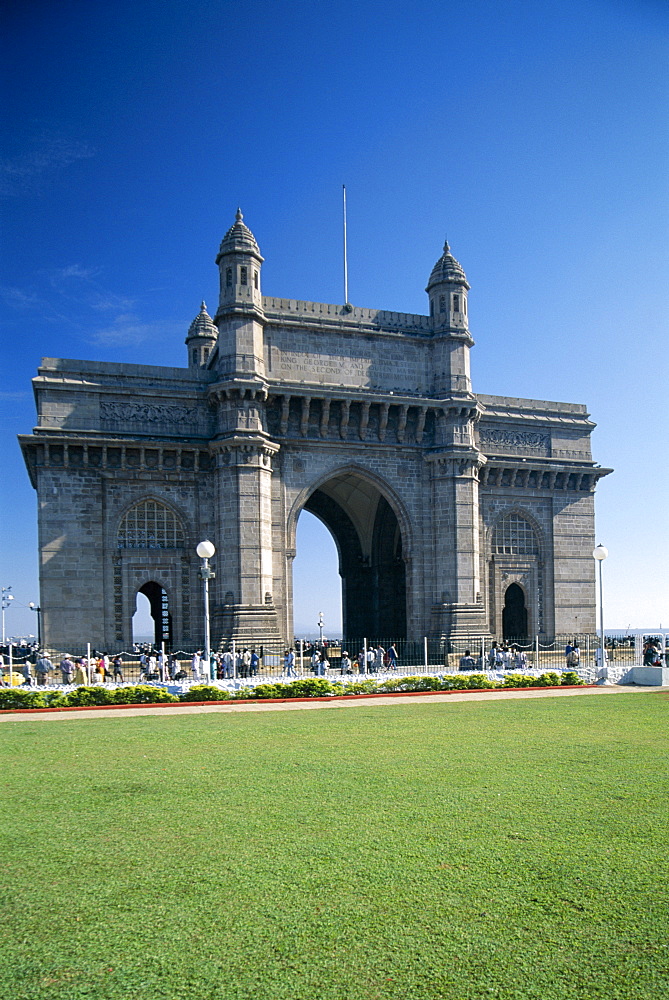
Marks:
<point>151,542</point>
<point>515,557</point>
<point>514,614</point>
<point>158,598</point>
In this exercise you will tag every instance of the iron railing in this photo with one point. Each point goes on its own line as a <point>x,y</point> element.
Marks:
<point>539,654</point>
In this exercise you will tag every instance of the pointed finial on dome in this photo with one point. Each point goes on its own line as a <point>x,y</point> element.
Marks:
<point>447,269</point>
<point>239,239</point>
<point>203,306</point>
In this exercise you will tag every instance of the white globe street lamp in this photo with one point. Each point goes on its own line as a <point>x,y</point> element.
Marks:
<point>206,551</point>
<point>34,607</point>
<point>600,554</point>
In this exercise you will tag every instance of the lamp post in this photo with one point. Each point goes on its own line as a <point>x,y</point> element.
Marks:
<point>7,599</point>
<point>600,554</point>
<point>34,607</point>
<point>206,550</point>
<point>320,626</point>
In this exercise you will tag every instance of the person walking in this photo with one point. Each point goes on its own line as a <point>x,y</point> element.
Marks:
<point>392,657</point>
<point>519,658</point>
<point>572,655</point>
<point>43,668</point>
<point>289,663</point>
<point>195,665</point>
<point>80,672</point>
<point>98,671</point>
<point>66,668</point>
<point>496,657</point>
<point>143,666</point>
<point>228,664</point>
<point>117,665</point>
<point>572,658</point>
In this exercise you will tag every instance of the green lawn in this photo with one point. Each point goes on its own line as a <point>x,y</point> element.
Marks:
<point>488,849</point>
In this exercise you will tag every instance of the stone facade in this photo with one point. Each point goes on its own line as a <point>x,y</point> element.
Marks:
<point>453,513</point>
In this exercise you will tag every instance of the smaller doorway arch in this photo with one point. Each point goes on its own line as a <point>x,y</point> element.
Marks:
<point>514,614</point>
<point>160,612</point>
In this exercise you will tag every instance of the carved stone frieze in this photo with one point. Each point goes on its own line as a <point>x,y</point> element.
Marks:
<point>152,415</point>
<point>507,441</point>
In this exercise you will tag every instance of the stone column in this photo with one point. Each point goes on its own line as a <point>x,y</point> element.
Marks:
<point>245,608</point>
<point>458,608</point>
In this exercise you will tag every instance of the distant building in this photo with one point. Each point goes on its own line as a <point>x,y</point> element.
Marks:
<point>453,513</point>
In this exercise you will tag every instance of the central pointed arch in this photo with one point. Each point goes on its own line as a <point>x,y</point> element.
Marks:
<point>370,533</point>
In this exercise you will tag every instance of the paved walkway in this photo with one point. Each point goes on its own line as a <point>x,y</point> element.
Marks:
<point>329,703</point>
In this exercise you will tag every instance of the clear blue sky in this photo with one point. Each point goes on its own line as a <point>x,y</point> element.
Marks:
<point>533,134</point>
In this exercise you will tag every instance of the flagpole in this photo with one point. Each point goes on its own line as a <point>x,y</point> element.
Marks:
<point>345,252</point>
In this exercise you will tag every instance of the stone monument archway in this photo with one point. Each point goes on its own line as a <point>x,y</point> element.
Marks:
<point>367,418</point>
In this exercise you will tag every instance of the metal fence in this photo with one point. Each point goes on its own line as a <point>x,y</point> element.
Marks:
<point>538,654</point>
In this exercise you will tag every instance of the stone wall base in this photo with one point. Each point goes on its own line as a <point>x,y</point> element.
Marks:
<point>245,625</point>
<point>459,621</point>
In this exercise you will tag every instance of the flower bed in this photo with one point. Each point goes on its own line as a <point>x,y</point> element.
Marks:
<point>13,699</point>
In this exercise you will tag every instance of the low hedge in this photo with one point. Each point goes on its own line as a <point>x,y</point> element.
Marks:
<point>204,692</point>
<point>84,696</point>
<point>143,694</point>
<point>307,687</point>
<point>18,698</point>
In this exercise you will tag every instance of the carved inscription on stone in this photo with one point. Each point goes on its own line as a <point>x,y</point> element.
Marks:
<point>301,365</point>
<point>387,371</point>
<point>515,442</point>
<point>150,416</point>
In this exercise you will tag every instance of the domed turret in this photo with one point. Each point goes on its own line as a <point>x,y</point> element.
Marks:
<point>201,338</point>
<point>239,262</point>
<point>447,288</point>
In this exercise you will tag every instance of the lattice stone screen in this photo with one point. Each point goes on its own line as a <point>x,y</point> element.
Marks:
<point>514,536</point>
<point>150,525</point>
